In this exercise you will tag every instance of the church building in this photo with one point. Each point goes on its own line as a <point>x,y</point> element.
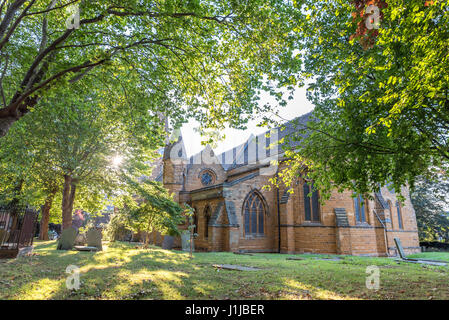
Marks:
<point>233,212</point>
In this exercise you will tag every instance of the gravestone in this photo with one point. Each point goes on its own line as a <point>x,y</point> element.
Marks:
<point>67,239</point>
<point>80,239</point>
<point>167,244</point>
<point>84,248</point>
<point>243,253</point>
<point>328,259</point>
<point>185,239</point>
<point>401,252</point>
<point>94,239</point>
<point>234,267</point>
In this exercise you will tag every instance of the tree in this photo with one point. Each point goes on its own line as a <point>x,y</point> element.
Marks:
<point>150,208</point>
<point>72,147</point>
<point>431,207</point>
<point>213,57</point>
<point>25,178</point>
<point>52,189</point>
<point>81,138</point>
<point>381,98</point>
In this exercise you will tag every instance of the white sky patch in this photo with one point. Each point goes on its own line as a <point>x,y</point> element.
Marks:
<point>295,108</point>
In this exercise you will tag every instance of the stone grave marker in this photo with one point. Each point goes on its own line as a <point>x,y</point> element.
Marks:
<point>67,239</point>
<point>94,239</point>
<point>85,248</point>
<point>80,239</point>
<point>167,244</point>
<point>403,257</point>
<point>234,267</point>
<point>401,252</point>
<point>185,239</point>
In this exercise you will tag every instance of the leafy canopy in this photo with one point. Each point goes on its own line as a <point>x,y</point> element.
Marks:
<point>208,59</point>
<point>381,96</point>
<point>150,208</point>
<point>432,209</point>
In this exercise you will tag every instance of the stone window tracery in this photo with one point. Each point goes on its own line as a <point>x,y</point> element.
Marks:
<point>254,214</point>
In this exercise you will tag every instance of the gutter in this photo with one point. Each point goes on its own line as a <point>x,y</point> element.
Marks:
<point>279,213</point>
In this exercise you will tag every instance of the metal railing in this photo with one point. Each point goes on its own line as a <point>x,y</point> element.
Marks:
<point>17,226</point>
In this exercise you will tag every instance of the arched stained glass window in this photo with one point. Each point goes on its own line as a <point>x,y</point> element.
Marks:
<point>207,215</point>
<point>398,211</point>
<point>261,218</point>
<point>254,214</point>
<point>359,207</point>
<point>246,214</point>
<point>311,204</point>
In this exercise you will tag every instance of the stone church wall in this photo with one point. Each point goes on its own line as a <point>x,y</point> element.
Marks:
<point>285,213</point>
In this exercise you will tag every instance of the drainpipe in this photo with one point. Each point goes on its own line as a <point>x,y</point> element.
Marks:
<point>279,214</point>
<point>385,233</point>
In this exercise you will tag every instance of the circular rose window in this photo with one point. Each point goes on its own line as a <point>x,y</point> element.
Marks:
<point>207,178</point>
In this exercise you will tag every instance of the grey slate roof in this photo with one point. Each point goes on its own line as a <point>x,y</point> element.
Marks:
<point>255,149</point>
<point>289,131</point>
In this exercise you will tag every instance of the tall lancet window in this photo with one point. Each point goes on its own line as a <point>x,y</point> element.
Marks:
<point>399,213</point>
<point>311,204</point>
<point>254,214</point>
<point>207,215</point>
<point>359,208</point>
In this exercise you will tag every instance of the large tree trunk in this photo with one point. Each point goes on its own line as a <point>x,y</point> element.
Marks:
<point>43,232</point>
<point>68,197</point>
<point>5,124</point>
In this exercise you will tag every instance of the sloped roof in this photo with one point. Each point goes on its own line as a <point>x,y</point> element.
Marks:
<point>289,131</point>
<point>256,148</point>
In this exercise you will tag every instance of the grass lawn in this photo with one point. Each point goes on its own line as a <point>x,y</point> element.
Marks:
<point>123,271</point>
<point>443,256</point>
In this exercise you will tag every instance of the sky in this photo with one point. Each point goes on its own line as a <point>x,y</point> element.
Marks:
<point>296,107</point>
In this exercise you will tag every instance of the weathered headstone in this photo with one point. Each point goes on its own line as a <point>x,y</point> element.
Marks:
<point>403,257</point>
<point>85,248</point>
<point>94,239</point>
<point>234,267</point>
<point>401,252</point>
<point>328,259</point>
<point>67,239</point>
<point>243,253</point>
<point>185,239</point>
<point>80,239</point>
<point>167,244</point>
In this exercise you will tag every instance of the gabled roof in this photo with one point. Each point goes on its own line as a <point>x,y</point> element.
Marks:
<point>265,145</point>
<point>255,149</point>
<point>205,156</point>
<point>176,149</point>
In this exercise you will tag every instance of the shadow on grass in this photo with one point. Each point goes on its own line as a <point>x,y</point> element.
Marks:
<point>124,272</point>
